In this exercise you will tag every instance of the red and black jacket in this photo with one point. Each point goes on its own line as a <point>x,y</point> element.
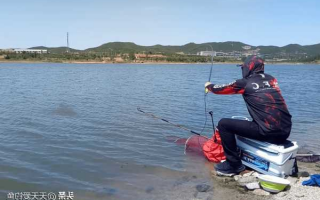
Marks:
<point>262,96</point>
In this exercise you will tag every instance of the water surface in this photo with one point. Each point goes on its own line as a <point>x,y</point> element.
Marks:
<point>75,127</point>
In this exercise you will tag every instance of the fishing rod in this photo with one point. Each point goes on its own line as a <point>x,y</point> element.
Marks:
<point>206,92</point>
<point>205,104</point>
<point>211,62</point>
<point>167,121</point>
<point>201,46</point>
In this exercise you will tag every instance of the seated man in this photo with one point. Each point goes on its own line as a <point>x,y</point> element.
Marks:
<point>271,118</point>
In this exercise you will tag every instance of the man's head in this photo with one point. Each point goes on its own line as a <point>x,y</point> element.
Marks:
<point>252,65</point>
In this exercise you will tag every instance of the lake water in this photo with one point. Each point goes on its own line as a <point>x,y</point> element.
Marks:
<point>75,127</point>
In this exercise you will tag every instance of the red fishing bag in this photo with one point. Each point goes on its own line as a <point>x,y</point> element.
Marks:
<point>213,149</point>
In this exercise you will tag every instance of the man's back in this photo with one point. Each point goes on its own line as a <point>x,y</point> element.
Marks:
<point>266,104</point>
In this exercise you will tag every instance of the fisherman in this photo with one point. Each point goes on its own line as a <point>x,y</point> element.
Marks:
<point>271,120</point>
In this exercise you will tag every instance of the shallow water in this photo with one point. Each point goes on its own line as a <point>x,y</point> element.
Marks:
<point>75,127</point>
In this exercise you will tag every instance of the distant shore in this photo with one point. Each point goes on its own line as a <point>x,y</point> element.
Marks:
<point>141,62</point>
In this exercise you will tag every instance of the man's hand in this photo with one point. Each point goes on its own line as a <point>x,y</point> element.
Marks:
<point>207,83</point>
<point>205,86</point>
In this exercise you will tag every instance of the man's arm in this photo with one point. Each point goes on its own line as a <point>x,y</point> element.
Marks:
<point>236,87</point>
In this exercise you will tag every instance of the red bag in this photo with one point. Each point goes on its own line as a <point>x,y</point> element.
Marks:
<point>213,149</point>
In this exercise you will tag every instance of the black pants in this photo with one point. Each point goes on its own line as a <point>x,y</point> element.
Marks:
<point>228,128</point>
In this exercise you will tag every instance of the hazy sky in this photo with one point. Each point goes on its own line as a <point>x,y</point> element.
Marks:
<point>90,23</point>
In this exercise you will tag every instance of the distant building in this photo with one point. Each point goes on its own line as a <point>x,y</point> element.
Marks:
<point>207,53</point>
<point>142,56</point>
<point>180,53</point>
<point>251,52</point>
<point>246,47</point>
<point>40,51</point>
<point>220,54</point>
<point>7,50</point>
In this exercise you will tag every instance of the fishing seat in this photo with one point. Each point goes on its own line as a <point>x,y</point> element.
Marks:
<point>272,159</point>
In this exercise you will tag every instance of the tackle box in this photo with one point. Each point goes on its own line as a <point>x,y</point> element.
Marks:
<point>267,158</point>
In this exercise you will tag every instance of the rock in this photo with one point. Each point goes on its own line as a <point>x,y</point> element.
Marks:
<point>203,187</point>
<point>281,194</point>
<point>223,179</point>
<point>248,174</point>
<point>288,187</point>
<point>182,181</point>
<point>303,174</point>
<point>252,186</point>
<point>318,165</point>
<point>292,180</point>
<point>260,192</point>
<point>203,196</point>
<point>245,172</point>
<point>237,177</point>
<point>242,181</point>
<point>255,174</point>
<point>299,195</point>
<point>149,189</point>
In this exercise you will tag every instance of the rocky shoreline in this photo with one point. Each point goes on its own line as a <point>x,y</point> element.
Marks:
<point>231,188</point>
<point>296,191</point>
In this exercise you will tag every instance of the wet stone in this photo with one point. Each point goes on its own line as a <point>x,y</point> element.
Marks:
<point>203,196</point>
<point>222,179</point>
<point>203,187</point>
<point>303,174</point>
<point>183,180</point>
<point>149,189</point>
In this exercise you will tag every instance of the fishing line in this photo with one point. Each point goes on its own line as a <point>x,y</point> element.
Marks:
<point>205,103</point>
<point>205,94</point>
<point>167,121</point>
<point>205,109</point>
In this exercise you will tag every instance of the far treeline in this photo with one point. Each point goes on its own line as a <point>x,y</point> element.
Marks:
<point>118,52</point>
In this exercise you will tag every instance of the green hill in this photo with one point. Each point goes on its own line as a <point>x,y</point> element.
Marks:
<point>190,48</point>
<point>187,48</point>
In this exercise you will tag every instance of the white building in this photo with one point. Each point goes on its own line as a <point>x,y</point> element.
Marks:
<point>40,51</point>
<point>246,47</point>
<point>7,50</point>
<point>206,53</point>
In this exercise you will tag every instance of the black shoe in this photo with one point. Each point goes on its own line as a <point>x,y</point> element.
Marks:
<point>226,169</point>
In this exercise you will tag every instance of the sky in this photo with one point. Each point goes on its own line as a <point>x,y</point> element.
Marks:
<point>91,23</point>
